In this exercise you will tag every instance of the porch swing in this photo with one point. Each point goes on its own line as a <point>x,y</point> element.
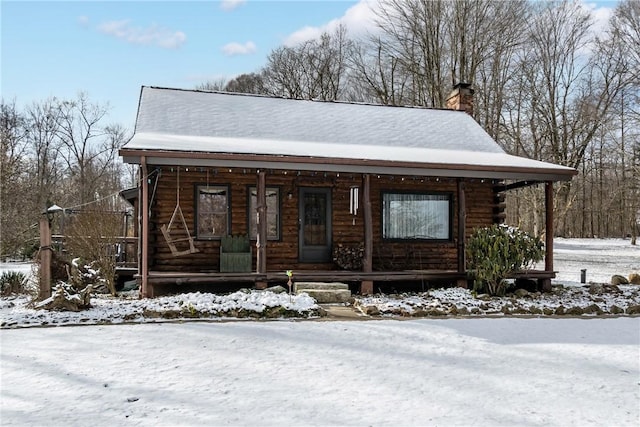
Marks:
<point>177,238</point>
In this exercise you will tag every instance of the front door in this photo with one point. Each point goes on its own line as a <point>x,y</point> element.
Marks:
<point>315,224</point>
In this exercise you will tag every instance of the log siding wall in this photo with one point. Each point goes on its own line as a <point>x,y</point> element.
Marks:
<point>282,254</point>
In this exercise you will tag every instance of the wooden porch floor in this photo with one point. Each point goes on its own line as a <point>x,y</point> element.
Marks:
<point>161,282</point>
<point>181,278</point>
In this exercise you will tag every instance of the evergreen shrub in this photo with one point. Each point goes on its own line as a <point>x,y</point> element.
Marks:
<point>494,253</point>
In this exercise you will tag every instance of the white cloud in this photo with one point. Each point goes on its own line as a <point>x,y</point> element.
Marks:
<point>601,15</point>
<point>152,35</point>
<point>231,4</point>
<point>359,19</point>
<point>83,21</point>
<point>233,49</point>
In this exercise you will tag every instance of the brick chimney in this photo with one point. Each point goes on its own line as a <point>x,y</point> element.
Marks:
<point>461,98</point>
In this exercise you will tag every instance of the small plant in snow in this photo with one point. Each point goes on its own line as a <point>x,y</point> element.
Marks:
<point>13,282</point>
<point>493,253</point>
<point>290,281</point>
<point>84,274</point>
<point>191,309</point>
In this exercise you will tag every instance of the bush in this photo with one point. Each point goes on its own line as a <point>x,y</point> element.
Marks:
<point>13,282</point>
<point>493,253</point>
<point>92,236</point>
<point>84,274</point>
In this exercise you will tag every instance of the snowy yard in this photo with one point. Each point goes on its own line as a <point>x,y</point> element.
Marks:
<point>454,371</point>
<point>525,372</point>
<point>602,258</point>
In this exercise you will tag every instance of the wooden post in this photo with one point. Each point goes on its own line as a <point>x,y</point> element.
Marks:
<point>462,224</point>
<point>143,239</point>
<point>261,208</point>
<point>366,286</point>
<point>548,201</point>
<point>545,284</point>
<point>45,259</point>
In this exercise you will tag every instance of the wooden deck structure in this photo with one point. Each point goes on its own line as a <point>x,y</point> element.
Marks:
<point>212,279</point>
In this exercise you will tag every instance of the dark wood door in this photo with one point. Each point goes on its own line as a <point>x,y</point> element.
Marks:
<point>315,224</point>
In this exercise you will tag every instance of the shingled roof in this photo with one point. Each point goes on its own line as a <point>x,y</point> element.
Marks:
<point>188,127</point>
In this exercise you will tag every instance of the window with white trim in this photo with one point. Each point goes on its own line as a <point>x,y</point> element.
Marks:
<point>212,211</point>
<point>273,213</point>
<point>424,216</point>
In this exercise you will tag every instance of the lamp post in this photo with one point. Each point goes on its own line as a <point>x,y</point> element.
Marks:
<point>46,249</point>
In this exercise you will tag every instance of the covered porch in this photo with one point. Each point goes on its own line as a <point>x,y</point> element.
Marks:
<point>365,280</point>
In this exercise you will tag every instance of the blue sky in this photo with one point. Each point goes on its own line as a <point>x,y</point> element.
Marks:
<point>111,48</point>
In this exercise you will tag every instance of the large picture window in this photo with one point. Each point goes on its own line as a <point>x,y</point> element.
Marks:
<point>212,211</point>
<point>273,213</point>
<point>416,216</point>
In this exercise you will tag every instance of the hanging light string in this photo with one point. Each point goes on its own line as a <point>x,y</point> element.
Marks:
<point>112,195</point>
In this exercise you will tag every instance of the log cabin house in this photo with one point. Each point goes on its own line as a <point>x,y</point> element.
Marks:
<point>393,190</point>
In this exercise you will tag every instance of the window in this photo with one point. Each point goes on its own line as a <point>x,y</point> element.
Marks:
<point>416,216</point>
<point>273,213</point>
<point>212,211</point>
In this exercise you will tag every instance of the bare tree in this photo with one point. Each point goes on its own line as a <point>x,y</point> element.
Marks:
<point>619,51</point>
<point>46,171</point>
<point>283,73</point>
<point>246,83</point>
<point>54,151</point>
<point>429,46</point>
<point>213,85</point>
<point>14,225</point>
<point>414,32</point>
<point>314,69</point>
<point>377,76</point>
<point>566,96</point>
<point>89,147</point>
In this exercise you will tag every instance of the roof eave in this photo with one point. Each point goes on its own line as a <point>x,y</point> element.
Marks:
<point>344,165</point>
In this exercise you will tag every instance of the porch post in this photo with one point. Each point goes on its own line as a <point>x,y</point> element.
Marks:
<point>143,239</point>
<point>261,209</point>
<point>548,201</point>
<point>366,286</point>
<point>462,224</point>
<point>545,284</point>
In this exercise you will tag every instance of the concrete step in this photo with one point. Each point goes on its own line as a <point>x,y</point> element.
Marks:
<point>332,286</point>
<point>327,296</point>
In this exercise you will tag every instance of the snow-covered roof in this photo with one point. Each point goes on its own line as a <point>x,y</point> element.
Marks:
<point>240,130</point>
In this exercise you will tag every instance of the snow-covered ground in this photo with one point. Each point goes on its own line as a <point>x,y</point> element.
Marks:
<point>488,372</point>
<point>602,258</point>
<point>22,267</point>
<point>455,371</point>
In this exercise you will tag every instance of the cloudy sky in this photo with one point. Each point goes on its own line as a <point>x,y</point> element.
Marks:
<point>111,48</point>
